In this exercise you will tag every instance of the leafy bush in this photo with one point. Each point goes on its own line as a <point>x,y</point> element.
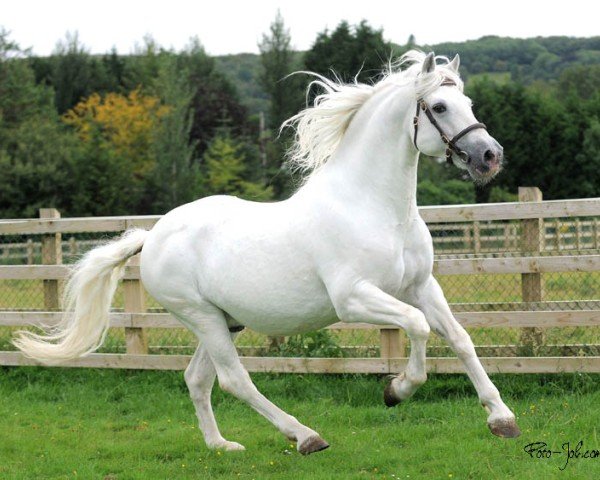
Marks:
<point>314,344</point>
<point>448,192</point>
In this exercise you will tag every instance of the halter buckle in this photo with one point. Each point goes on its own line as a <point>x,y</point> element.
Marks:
<point>445,139</point>
<point>449,156</point>
<point>415,121</point>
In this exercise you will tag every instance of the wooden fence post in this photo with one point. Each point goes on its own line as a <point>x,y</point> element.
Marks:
<point>476,237</point>
<point>30,252</point>
<point>136,339</point>
<point>392,343</point>
<point>532,285</point>
<point>51,255</point>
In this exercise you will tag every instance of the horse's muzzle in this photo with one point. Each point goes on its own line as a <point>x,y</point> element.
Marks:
<point>485,160</point>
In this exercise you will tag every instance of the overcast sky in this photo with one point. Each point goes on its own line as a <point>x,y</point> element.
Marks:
<point>230,26</point>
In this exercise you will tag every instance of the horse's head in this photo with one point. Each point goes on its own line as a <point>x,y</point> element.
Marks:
<point>444,124</point>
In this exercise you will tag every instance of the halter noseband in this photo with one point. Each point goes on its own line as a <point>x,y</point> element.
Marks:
<point>450,142</point>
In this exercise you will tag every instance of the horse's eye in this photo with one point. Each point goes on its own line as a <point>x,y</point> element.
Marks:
<point>439,108</point>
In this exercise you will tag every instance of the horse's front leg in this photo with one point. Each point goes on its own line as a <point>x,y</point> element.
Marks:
<point>431,301</point>
<point>364,302</point>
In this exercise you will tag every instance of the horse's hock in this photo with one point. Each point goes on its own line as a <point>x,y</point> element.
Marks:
<point>523,278</point>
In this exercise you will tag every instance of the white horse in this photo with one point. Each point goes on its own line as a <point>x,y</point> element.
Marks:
<point>348,245</point>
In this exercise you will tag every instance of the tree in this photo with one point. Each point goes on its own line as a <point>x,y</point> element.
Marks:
<point>589,160</point>
<point>582,80</point>
<point>35,148</point>
<point>225,170</point>
<point>117,133</point>
<point>126,123</point>
<point>349,51</point>
<point>35,168</point>
<point>20,97</point>
<point>215,103</point>
<point>142,68</point>
<point>277,60</point>
<point>286,97</point>
<point>100,181</point>
<point>541,135</point>
<point>448,192</point>
<point>176,176</point>
<point>74,73</point>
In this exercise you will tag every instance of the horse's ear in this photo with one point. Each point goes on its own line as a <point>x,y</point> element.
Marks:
<point>455,63</point>
<point>429,63</point>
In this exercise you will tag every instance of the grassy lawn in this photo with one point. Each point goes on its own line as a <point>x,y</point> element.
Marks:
<point>115,425</point>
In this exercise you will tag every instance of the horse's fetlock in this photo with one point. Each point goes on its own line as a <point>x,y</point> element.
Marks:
<point>489,397</point>
<point>417,379</point>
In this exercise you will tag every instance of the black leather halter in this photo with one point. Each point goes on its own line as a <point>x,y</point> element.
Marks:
<point>450,142</point>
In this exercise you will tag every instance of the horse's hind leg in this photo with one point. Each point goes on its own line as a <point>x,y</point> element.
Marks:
<point>200,377</point>
<point>209,324</point>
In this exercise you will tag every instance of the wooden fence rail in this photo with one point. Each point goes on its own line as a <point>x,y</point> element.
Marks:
<point>530,238</point>
<point>448,238</point>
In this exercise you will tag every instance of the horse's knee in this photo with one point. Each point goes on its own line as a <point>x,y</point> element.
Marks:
<point>418,328</point>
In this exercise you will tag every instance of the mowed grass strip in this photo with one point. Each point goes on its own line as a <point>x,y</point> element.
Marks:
<point>115,425</point>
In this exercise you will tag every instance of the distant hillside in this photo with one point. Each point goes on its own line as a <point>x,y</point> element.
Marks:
<point>529,59</point>
<point>243,69</point>
<point>526,60</point>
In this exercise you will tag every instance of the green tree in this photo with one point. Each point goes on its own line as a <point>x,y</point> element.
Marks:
<point>20,97</point>
<point>582,80</point>
<point>286,97</point>
<point>448,192</point>
<point>277,62</point>
<point>349,51</point>
<point>100,181</point>
<point>176,177</point>
<point>215,102</point>
<point>226,172</point>
<point>589,160</point>
<point>142,68</point>
<point>36,171</point>
<point>74,73</point>
<point>35,148</point>
<point>541,136</point>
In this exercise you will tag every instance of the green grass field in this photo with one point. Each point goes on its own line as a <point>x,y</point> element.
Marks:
<point>116,425</point>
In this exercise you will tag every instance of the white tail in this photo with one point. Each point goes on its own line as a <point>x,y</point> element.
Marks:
<point>86,299</point>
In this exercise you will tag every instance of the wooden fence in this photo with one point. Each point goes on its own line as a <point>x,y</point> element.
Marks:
<point>532,214</point>
<point>448,238</point>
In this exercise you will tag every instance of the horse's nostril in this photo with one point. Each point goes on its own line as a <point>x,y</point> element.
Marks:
<point>489,156</point>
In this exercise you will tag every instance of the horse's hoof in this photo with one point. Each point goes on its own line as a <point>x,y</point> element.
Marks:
<point>389,398</point>
<point>228,446</point>
<point>312,444</point>
<point>505,428</point>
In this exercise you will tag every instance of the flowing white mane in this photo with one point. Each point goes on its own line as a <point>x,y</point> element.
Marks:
<point>321,127</point>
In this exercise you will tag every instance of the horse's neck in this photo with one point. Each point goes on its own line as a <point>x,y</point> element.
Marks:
<point>376,162</point>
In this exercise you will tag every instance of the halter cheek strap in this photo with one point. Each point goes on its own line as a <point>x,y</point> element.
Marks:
<point>450,142</point>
